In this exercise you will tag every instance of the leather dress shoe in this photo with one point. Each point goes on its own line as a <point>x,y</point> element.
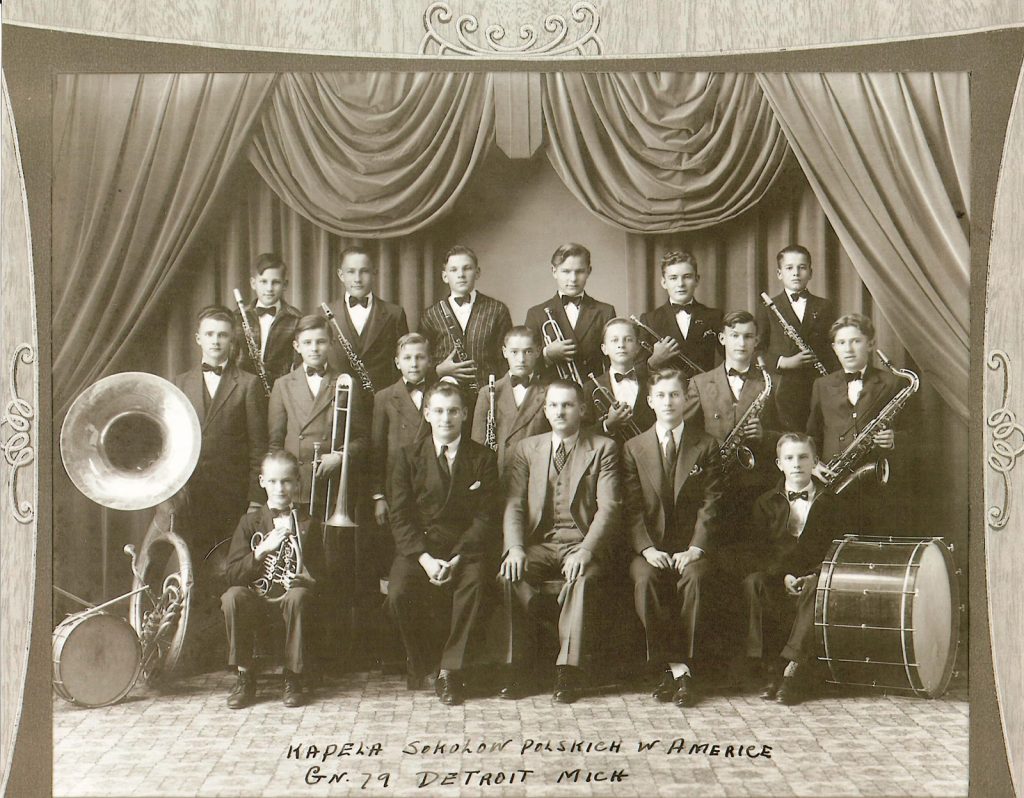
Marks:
<point>685,695</point>
<point>293,695</point>
<point>567,685</point>
<point>791,691</point>
<point>244,691</point>
<point>448,689</point>
<point>666,689</point>
<point>512,688</point>
<point>771,689</point>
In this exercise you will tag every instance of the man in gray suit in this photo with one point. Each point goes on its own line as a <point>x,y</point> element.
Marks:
<point>561,513</point>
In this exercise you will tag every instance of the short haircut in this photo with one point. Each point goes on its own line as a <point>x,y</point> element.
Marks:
<point>443,388</point>
<point>618,320</point>
<point>313,321</point>
<point>796,437</point>
<point>861,322</point>
<point>280,456</point>
<point>355,249</point>
<point>411,339</point>
<point>566,251</point>
<point>666,374</point>
<point>793,249</point>
<point>678,256</point>
<point>215,312</point>
<point>569,385</point>
<point>460,249</point>
<point>734,317</point>
<point>269,260</point>
<point>521,331</point>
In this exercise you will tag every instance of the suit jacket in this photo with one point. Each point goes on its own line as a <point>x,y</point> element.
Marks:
<point>297,420</point>
<point>397,422</point>
<point>587,333</point>
<point>375,346</point>
<point>512,423</point>
<point>643,415</point>
<point>242,568</point>
<point>483,336</point>
<point>697,490</point>
<point>594,484</point>
<point>833,423</point>
<point>280,356</point>
<point>701,344</point>
<point>427,518</point>
<point>779,553</point>
<point>234,432</point>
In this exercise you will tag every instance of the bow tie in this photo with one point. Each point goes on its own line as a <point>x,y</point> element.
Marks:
<point>262,311</point>
<point>800,295</point>
<point>318,370</point>
<point>279,512</point>
<point>354,300</point>
<point>462,300</point>
<point>793,495</point>
<point>743,375</point>
<point>415,386</point>
<point>218,370</point>
<point>572,300</point>
<point>853,376</point>
<point>524,381</point>
<point>629,375</point>
<point>687,308</point>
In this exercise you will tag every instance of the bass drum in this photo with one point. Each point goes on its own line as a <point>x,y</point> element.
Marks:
<point>888,611</point>
<point>96,659</point>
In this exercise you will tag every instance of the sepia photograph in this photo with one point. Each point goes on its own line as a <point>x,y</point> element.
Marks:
<point>508,420</point>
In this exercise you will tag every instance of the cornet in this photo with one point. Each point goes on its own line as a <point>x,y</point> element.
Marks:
<point>552,332</point>
<point>603,401</point>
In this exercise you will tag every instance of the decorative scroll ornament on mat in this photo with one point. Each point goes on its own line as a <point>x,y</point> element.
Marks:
<point>17,447</point>
<point>1007,441</point>
<point>439,14</point>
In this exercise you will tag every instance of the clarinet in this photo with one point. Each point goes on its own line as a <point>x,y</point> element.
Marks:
<point>794,336</point>
<point>491,430</point>
<point>250,342</point>
<point>461,355</point>
<point>350,353</point>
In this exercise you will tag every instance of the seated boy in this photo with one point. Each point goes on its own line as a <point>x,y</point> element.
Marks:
<point>242,603</point>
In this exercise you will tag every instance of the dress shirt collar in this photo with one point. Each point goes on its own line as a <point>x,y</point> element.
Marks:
<point>453,447</point>
<point>661,429</point>
<point>472,299</point>
<point>569,441</point>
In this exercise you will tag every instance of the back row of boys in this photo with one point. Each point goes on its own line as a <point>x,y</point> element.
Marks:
<point>300,403</point>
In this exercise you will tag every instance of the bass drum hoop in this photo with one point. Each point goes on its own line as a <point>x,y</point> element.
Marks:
<point>62,636</point>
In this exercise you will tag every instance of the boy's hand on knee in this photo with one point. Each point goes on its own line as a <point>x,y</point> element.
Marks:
<point>513,567</point>
<point>656,557</point>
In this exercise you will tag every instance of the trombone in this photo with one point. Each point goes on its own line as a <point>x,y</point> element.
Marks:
<point>551,333</point>
<point>689,366</point>
<point>342,425</point>
<point>604,399</point>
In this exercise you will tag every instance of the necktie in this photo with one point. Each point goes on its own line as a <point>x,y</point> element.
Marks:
<point>262,311</point>
<point>318,370</point>
<point>741,374</point>
<point>516,381</point>
<point>560,457</point>
<point>571,300</point>
<point>796,494</point>
<point>218,370</point>
<point>800,295</point>
<point>414,386</point>
<point>669,452</point>
<point>687,308</point>
<point>461,300</point>
<point>442,462</point>
<point>354,300</point>
<point>629,375</point>
<point>853,376</point>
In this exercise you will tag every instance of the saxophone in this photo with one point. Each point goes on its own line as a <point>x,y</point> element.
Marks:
<point>455,333</point>
<point>794,336</point>
<point>250,342</point>
<point>845,464</point>
<point>491,430</point>
<point>734,452</point>
<point>285,562</point>
<point>357,362</point>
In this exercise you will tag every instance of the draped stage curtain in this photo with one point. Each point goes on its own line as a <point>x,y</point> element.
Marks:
<point>888,156</point>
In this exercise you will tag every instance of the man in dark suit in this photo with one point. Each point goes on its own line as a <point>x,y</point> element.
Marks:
<point>474,321</point>
<point>579,316</point>
<point>444,499</point>
<point>271,319</point>
<point>561,516</point>
<point>518,397</point>
<point>811,316</point>
<point>688,329</point>
<point>371,325</point>
<point>231,407</point>
<point>673,500</point>
<point>625,381</point>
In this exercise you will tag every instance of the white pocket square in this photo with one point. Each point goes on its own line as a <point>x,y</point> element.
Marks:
<point>475,485</point>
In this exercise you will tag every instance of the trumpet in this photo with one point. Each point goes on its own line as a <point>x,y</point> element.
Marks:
<point>603,401</point>
<point>551,333</point>
<point>279,566</point>
<point>350,353</point>
<point>491,430</point>
<point>794,336</point>
<point>250,343</point>
<point>734,452</point>
<point>690,367</point>
<point>342,425</point>
<point>455,333</point>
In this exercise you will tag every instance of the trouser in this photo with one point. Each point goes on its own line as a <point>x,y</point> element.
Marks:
<point>437,622</point>
<point>669,606</point>
<point>771,612</point>
<point>544,563</point>
<point>242,609</point>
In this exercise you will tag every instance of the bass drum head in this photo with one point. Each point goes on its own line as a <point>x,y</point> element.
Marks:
<point>935,619</point>
<point>96,659</point>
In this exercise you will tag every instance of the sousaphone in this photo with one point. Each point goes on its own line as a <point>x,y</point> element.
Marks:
<point>130,442</point>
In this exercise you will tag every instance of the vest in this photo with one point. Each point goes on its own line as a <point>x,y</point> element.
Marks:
<point>556,523</point>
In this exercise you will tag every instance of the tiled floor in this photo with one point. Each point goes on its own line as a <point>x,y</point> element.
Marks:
<point>187,743</point>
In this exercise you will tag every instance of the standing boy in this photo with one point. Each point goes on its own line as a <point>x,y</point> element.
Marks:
<point>625,380</point>
<point>271,319</point>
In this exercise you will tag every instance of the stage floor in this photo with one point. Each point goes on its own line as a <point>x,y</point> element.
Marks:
<point>188,743</point>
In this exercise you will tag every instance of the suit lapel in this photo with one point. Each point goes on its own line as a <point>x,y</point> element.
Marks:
<point>581,456</point>
<point>587,317</point>
<point>558,311</point>
<point>194,386</point>
<point>323,398</point>
<point>374,324</point>
<point>667,321</point>
<point>687,458</point>
<point>539,457</point>
<point>649,457</point>
<point>405,405</point>
<point>227,385</point>
<point>520,415</point>
<point>751,388</point>
<point>345,321</point>
<point>871,391</point>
